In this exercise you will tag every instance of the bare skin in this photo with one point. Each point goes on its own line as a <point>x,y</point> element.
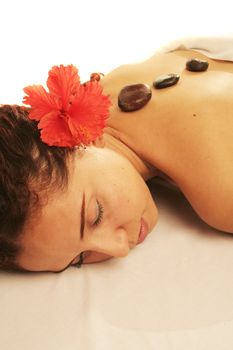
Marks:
<point>184,132</point>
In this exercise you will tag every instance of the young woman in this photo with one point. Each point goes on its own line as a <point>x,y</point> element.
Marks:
<point>62,205</point>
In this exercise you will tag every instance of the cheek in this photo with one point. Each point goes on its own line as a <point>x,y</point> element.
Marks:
<point>127,206</point>
<point>125,192</point>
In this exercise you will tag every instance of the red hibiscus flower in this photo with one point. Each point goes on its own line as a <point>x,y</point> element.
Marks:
<point>70,114</point>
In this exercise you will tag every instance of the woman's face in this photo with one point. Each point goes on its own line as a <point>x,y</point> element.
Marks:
<point>100,214</point>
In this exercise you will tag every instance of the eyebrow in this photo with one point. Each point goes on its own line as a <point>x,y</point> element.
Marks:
<point>82,215</point>
<point>82,227</point>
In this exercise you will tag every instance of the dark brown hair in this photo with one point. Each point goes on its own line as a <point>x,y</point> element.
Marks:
<point>28,167</point>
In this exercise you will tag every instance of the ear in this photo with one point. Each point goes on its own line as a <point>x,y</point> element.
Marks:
<point>99,142</point>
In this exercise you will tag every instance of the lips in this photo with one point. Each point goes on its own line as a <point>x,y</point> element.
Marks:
<point>143,231</point>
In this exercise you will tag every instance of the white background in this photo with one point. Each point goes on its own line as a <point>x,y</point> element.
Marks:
<point>94,35</point>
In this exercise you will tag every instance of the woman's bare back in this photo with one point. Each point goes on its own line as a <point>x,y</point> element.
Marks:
<point>185,130</point>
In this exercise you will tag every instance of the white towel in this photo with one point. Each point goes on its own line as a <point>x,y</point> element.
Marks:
<point>220,48</point>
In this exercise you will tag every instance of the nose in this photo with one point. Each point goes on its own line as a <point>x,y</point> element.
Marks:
<point>94,257</point>
<point>106,242</point>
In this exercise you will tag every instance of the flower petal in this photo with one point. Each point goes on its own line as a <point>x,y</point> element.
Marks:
<point>70,114</point>
<point>40,100</point>
<point>63,83</point>
<point>89,112</point>
<point>55,131</point>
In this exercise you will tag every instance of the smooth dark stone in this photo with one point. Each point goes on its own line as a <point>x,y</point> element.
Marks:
<point>133,97</point>
<point>196,65</point>
<point>165,81</point>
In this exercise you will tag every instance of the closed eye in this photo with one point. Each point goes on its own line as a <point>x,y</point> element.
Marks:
<point>79,263</point>
<point>81,260</point>
<point>100,213</point>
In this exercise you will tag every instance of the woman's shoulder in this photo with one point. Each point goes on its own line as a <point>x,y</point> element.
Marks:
<point>209,189</point>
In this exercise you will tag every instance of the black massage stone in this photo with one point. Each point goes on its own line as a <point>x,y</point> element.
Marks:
<point>165,81</point>
<point>196,65</point>
<point>133,97</point>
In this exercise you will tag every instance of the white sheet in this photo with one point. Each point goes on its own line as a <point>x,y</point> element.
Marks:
<point>173,292</point>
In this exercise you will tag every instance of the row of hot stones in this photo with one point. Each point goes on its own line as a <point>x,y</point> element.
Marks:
<point>135,96</point>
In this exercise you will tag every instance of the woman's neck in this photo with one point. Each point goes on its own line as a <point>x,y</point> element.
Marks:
<point>113,142</point>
